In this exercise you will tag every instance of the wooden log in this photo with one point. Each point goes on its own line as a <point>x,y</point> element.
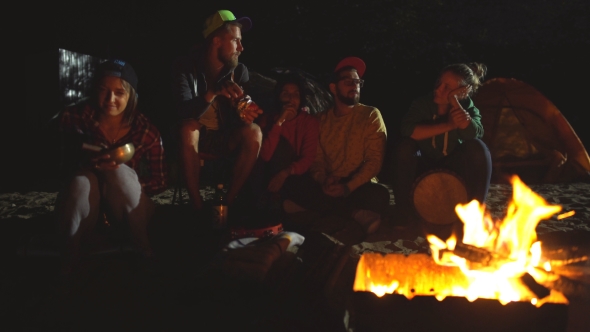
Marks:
<point>416,274</point>
<point>539,290</point>
<point>473,253</point>
<point>419,275</point>
<point>572,289</point>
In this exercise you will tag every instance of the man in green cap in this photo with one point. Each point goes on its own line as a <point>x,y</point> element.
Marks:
<point>207,86</point>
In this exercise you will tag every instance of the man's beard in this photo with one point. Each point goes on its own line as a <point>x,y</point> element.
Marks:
<point>350,101</point>
<point>229,62</point>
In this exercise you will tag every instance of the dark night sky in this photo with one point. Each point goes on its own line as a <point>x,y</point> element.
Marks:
<point>404,43</point>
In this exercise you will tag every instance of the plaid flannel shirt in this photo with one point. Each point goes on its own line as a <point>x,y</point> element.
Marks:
<point>82,120</point>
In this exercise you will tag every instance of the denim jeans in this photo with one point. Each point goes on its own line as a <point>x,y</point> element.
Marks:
<point>471,161</point>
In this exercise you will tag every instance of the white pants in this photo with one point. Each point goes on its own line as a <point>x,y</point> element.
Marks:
<point>118,192</point>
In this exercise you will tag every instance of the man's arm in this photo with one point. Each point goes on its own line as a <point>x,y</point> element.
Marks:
<point>374,151</point>
<point>241,76</point>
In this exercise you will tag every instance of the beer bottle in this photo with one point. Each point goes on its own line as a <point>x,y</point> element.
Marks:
<point>219,208</point>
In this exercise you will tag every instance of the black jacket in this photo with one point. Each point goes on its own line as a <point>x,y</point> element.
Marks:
<point>189,87</point>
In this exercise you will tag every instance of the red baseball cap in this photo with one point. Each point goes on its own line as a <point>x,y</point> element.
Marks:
<point>354,62</point>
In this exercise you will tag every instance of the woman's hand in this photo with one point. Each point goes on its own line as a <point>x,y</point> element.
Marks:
<point>459,93</point>
<point>288,112</point>
<point>277,181</point>
<point>103,162</point>
<point>459,118</point>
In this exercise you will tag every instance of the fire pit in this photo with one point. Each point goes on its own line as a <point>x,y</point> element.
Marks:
<point>394,312</point>
<point>495,278</point>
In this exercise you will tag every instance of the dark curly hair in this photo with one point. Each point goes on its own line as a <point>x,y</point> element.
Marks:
<point>292,77</point>
<point>313,95</point>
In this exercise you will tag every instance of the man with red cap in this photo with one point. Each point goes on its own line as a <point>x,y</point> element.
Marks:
<point>350,154</point>
<point>207,85</point>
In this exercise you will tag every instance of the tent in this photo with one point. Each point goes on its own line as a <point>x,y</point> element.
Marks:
<point>528,136</point>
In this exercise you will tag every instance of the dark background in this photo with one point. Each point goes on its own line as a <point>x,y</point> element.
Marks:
<point>404,43</point>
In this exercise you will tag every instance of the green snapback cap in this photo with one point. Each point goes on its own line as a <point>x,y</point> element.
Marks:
<point>217,19</point>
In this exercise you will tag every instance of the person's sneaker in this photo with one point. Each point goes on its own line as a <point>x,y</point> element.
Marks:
<point>369,220</point>
<point>291,207</point>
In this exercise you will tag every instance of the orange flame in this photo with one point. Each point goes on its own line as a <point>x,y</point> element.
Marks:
<point>514,236</point>
<point>511,244</point>
<point>512,241</point>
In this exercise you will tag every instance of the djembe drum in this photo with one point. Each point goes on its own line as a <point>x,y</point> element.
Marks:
<point>435,195</point>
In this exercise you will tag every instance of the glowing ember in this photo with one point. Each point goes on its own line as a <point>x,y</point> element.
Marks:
<point>492,261</point>
<point>566,215</point>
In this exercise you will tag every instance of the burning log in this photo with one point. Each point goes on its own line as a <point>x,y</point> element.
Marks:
<point>539,290</point>
<point>550,280</point>
<point>474,254</point>
<point>409,275</point>
<point>484,258</point>
<point>572,289</point>
<point>478,258</point>
<point>420,275</point>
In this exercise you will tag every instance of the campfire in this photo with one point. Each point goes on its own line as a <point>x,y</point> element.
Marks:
<point>495,259</point>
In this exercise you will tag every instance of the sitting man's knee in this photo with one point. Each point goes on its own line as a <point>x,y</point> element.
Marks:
<point>254,132</point>
<point>251,133</point>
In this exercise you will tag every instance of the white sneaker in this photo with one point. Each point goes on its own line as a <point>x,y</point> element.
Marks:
<point>368,219</point>
<point>291,207</point>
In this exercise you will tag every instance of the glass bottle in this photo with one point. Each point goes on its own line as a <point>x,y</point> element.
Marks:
<point>242,105</point>
<point>219,208</point>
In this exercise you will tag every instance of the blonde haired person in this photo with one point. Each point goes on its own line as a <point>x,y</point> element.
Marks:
<point>443,130</point>
<point>97,184</point>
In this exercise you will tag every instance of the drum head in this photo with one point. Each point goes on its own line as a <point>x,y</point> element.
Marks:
<point>435,196</point>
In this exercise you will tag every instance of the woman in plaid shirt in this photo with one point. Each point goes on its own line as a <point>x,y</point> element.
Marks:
<point>108,119</point>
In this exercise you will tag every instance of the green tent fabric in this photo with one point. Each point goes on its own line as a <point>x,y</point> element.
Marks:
<point>528,136</point>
